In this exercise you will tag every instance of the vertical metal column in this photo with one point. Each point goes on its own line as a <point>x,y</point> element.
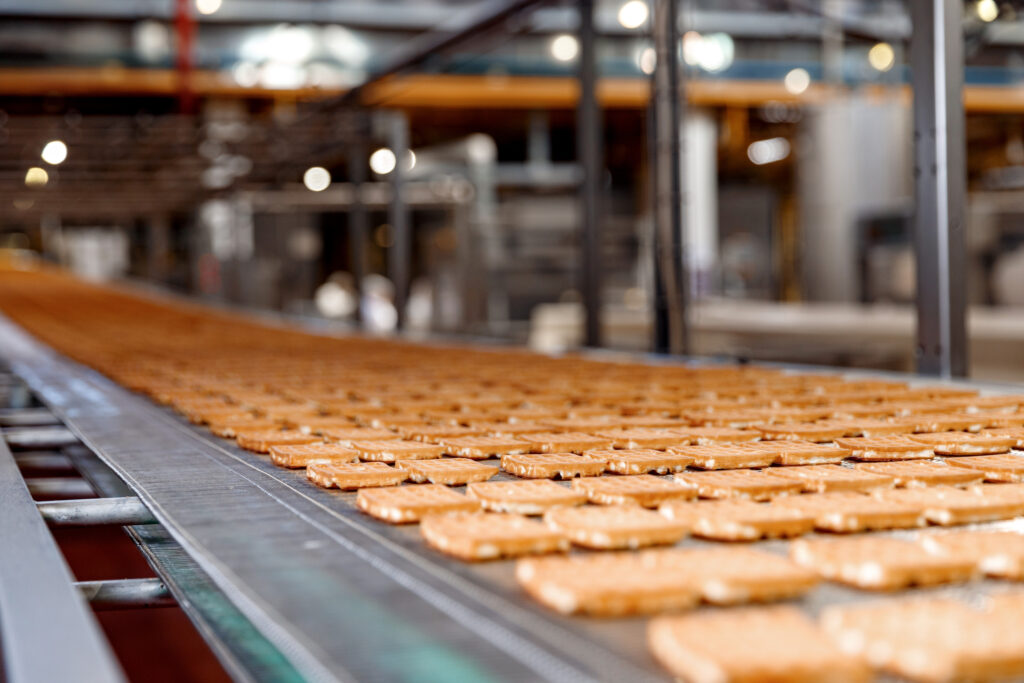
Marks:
<point>937,63</point>
<point>670,286</point>
<point>358,221</point>
<point>398,215</point>
<point>589,153</point>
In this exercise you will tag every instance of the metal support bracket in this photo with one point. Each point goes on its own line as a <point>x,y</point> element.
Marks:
<point>126,594</point>
<point>124,511</point>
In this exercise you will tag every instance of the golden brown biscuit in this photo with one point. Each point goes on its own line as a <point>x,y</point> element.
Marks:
<point>345,436</point>
<point>738,520</point>
<point>751,484</point>
<point>643,489</point>
<point>847,512</point>
<point>882,448</point>
<point>641,461</point>
<point>356,475</point>
<point>946,505</point>
<point>797,452</point>
<point>530,497</point>
<point>229,429</point>
<point>410,503</point>
<point>303,455</point>
<point>483,447</point>
<point>397,449</point>
<point>490,535</point>
<point>436,433</point>
<point>818,432</point>
<point>260,441</point>
<point>510,429</point>
<point>997,468</point>
<point>564,442</point>
<point>940,422</point>
<point>870,427</point>
<point>921,473</point>
<point>707,436</point>
<point>552,465</point>
<point>823,478</point>
<point>643,438</point>
<point>778,644</point>
<point>614,526</point>
<point>962,443</point>
<point>1016,433</point>
<point>727,456</point>
<point>449,471</point>
<point>879,563</point>
<point>996,553</point>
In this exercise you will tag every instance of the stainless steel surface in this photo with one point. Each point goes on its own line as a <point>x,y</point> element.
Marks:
<point>125,594</point>
<point>27,417</point>
<point>43,461</point>
<point>38,438</point>
<point>121,511</point>
<point>61,487</point>
<point>670,276</point>
<point>591,160</point>
<point>937,65</point>
<point>400,251</point>
<point>46,630</point>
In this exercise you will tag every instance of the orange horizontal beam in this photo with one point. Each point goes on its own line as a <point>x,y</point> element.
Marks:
<point>448,91</point>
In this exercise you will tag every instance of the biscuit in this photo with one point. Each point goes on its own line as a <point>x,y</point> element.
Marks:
<point>260,441</point>
<point>643,489</point>
<point>818,432</point>
<point>346,435</point>
<point>490,535</point>
<point>607,584</point>
<point>797,452</point>
<point>706,436</point>
<point>732,576</point>
<point>229,429</point>
<point>449,471</point>
<point>731,419</point>
<point>946,505</point>
<point>651,422</point>
<point>996,553</point>
<point>823,478</point>
<point>1002,468</point>
<point>927,424</point>
<point>404,504</point>
<point>1001,421</point>
<point>738,520</point>
<point>356,475</point>
<point>962,443</point>
<point>583,425</point>
<point>726,456</point>
<point>871,427</point>
<point>1013,432</point>
<point>566,442</point>
<point>921,473</point>
<point>436,433</point>
<point>614,526</point>
<point>302,455</point>
<point>483,447</point>
<point>529,497</point>
<point>644,438</point>
<point>641,461</point>
<point>751,484</point>
<point>882,448</point>
<point>398,449</point>
<point>847,512</point>
<point>778,644</point>
<point>510,429</point>
<point>879,563</point>
<point>552,465</point>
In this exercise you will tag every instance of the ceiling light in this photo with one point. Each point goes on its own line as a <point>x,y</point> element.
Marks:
<point>207,6</point>
<point>564,48</point>
<point>36,177</point>
<point>713,52</point>
<point>987,10</point>
<point>647,60</point>
<point>768,151</point>
<point>54,152</point>
<point>633,14</point>
<point>881,56</point>
<point>316,179</point>
<point>797,81</point>
<point>382,161</point>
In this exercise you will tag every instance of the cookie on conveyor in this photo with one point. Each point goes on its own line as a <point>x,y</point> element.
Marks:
<point>738,520</point>
<point>706,436</point>
<point>880,563</point>
<point>996,468</point>
<point>726,456</point>
<point>354,475</point>
<point>564,442</point>
<point>848,512</point>
<point>552,465</point>
<point>642,461</point>
<point>302,455</point>
<point>483,447</point>
<point>397,449</point>
<point>778,644</point>
<point>922,473</point>
<point>260,441</point>
<point>345,436</point>
<point>614,526</point>
<point>825,478</point>
<point>882,448</point>
<point>608,584</point>
<point>996,553</point>
<point>946,505</point>
<point>642,489</point>
<point>941,422</point>
<point>931,640</point>
<point>528,497</point>
<point>510,429</point>
<point>1016,433</point>
<point>490,535</point>
<point>405,504</point>
<point>732,576</point>
<point>644,438</point>
<point>450,471</point>
<point>963,443</point>
<point>871,427</point>
<point>818,432</point>
<point>750,484</point>
<point>229,429</point>
<point>436,433</point>
<point>799,452</point>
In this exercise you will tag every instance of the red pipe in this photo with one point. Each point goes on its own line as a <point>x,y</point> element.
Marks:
<point>185,27</point>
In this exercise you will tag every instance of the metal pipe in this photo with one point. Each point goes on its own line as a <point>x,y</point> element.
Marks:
<point>670,289</point>
<point>398,214</point>
<point>27,417</point>
<point>123,511</point>
<point>43,461</point>
<point>38,438</point>
<point>588,151</point>
<point>64,487</point>
<point>358,220</point>
<point>937,66</point>
<point>122,594</point>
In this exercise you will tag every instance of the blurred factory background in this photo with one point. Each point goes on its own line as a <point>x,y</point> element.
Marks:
<point>216,148</point>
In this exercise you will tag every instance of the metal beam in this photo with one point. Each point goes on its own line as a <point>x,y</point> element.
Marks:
<point>358,220</point>
<point>121,511</point>
<point>937,65</point>
<point>400,251</point>
<point>126,594</point>
<point>670,285</point>
<point>588,152</point>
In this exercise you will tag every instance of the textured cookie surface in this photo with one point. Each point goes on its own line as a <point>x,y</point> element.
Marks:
<point>799,452</point>
<point>398,449</point>
<point>450,471</point>
<point>614,526</point>
<point>403,504</point>
<point>564,442</point>
<point>1005,468</point>
<point>946,505</point>
<point>642,461</point>
<point>528,497</point>
<point>962,443</point>
<point>261,441</point>
<point>302,455</point>
<point>552,465</point>
<point>355,475</point>
<point>644,438</point>
<point>643,489</point>
<point>490,535</point>
<point>726,456</point>
<point>738,520</point>
<point>880,448</point>
<point>996,553</point>
<point>482,447</point>
<point>848,512</point>
<point>752,484</point>
<point>921,473</point>
<point>823,478</point>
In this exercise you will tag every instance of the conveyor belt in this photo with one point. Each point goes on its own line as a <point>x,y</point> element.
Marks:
<point>342,597</point>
